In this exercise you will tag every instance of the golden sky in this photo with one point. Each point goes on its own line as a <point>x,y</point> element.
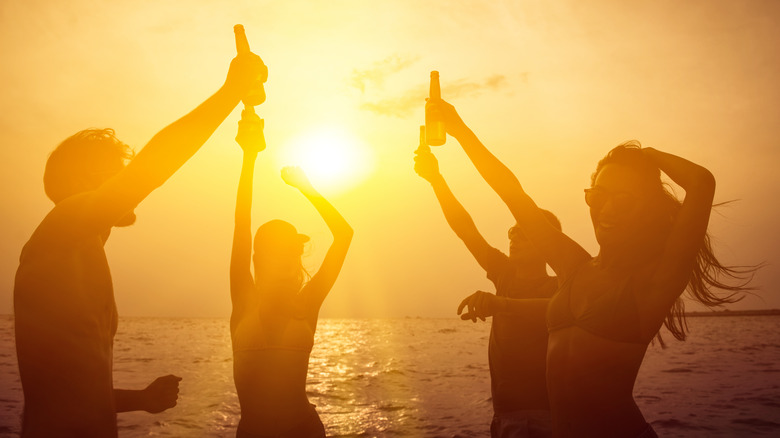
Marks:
<point>549,87</point>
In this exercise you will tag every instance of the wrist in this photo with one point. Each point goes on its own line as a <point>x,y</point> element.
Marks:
<point>231,94</point>
<point>309,191</point>
<point>436,179</point>
<point>142,400</point>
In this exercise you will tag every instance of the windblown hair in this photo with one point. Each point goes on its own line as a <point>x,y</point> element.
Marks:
<point>708,273</point>
<point>86,158</point>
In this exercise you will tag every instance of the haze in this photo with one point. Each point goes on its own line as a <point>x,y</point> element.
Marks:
<point>549,87</point>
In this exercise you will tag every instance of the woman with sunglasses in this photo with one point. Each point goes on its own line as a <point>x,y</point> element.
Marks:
<point>608,308</point>
<point>275,311</point>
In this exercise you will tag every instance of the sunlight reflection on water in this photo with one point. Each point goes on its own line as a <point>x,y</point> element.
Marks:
<point>427,377</point>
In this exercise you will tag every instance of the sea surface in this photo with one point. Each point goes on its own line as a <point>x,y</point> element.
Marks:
<point>427,378</point>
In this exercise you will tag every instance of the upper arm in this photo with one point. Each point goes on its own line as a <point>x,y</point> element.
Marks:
<point>241,284</point>
<point>673,271</point>
<point>116,197</point>
<point>488,257</point>
<point>321,283</point>
<point>461,222</point>
<point>562,253</point>
<point>491,259</point>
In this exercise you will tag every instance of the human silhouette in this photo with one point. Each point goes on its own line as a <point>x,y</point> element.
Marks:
<point>517,346</point>
<point>275,311</point>
<point>64,310</point>
<point>652,248</point>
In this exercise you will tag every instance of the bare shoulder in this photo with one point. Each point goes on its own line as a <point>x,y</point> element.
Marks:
<point>63,267</point>
<point>65,223</point>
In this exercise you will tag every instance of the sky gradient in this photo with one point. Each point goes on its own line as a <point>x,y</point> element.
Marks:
<point>549,87</point>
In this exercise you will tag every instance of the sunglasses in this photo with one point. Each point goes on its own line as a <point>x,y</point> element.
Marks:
<point>597,197</point>
<point>515,233</point>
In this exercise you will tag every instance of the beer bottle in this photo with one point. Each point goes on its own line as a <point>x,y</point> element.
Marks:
<point>256,94</point>
<point>435,132</point>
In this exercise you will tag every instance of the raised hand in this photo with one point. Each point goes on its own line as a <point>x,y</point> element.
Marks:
<point>480,305</point>
<point>425,164</point>
<point>161,394</point>
<point>452,121</point>
<point>294,176</point>
<point>250,132</point>
<point>243,73</point>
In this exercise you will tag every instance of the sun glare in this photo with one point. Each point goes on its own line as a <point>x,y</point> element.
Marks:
<point>332,158</point>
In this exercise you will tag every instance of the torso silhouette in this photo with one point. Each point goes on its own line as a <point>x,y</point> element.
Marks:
<point>271,347</point>
<point>65,321</point>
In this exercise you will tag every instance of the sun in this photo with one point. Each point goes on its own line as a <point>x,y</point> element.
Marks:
<point>331,157</point>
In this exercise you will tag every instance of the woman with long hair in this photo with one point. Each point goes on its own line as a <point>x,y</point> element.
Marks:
<point>608,308</point>
<point>275,310</point>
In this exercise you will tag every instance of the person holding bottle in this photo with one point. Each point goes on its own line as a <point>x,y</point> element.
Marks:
<point>652,248</point>
<point>275,310</point>
<point>65,315</point>
<point>517,347</point>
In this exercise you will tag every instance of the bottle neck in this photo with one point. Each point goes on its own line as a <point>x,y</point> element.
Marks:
<point>242,44</point>
<point>435,90</point>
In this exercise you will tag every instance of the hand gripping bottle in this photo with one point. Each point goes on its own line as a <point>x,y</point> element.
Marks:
<point>256,94</point>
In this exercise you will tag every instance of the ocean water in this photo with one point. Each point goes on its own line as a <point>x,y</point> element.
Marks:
<point>427,378</point>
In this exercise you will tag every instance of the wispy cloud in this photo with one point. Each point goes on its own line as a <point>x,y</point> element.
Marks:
<point>413,99</point>
<point>401,106</point>
<point>380,70</point>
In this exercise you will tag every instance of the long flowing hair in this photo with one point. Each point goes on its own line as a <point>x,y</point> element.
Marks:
<point>708,273</point>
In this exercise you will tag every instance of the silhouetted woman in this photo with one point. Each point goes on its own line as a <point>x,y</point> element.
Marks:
<point>652,248</point>
<point>275,312</point>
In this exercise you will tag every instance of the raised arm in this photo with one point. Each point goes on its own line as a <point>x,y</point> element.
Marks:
<point>321,282</point>
<point>459,220</point>
<point>250,138</point>
<point>672,274</point>
<point>170,148</point>
<point>560,252</point>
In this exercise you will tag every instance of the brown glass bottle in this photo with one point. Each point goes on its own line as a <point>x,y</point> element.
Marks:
<point>435,132</point>
<point>256,94</point>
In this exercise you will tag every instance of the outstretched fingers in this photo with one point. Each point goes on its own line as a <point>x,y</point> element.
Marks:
<point>470,302</point>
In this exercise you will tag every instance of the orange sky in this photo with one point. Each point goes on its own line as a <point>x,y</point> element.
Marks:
<point>548,86</point>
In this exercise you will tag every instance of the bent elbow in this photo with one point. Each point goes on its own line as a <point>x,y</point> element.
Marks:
<point>704,182</point>
<point>346,233</point>
<point>707,178</point>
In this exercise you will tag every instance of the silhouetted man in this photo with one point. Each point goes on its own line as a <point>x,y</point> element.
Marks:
<point>65,314</point>
<point>518,343</point>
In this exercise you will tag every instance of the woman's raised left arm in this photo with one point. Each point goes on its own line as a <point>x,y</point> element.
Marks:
<point>689,227</point>
<point>321,282</point>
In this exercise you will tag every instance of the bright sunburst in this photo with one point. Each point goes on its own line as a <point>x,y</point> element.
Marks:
<point>332,158</point>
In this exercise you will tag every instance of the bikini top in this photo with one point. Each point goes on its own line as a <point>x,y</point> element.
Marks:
<point>282,332</point>
<point>614,315</point>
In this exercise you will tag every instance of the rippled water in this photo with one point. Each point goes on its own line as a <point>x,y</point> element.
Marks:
<point>428,377</point>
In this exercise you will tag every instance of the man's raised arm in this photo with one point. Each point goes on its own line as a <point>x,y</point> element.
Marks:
<point>170,148</point>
